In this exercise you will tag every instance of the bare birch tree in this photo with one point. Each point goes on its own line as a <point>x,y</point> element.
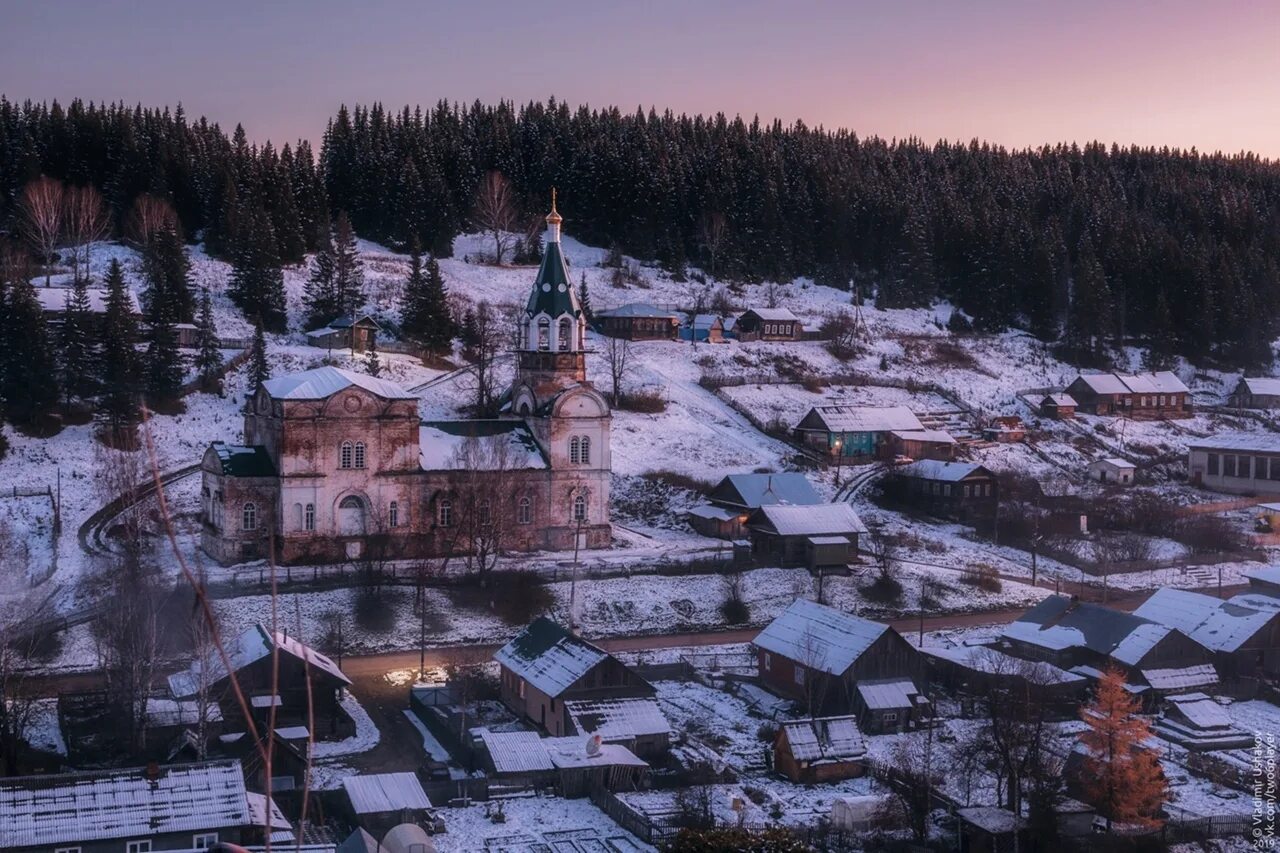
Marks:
<point>480,486</point>
<point>483,353</point>
<point>41,215</point>
<point>618,356</point>
<point>149,215</point>
<point>87,223</point>
<point>494,212</point>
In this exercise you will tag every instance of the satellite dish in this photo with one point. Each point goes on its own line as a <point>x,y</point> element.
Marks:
<point>593,745</point>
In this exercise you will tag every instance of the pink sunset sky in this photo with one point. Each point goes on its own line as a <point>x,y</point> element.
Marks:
<point>1180,74</point>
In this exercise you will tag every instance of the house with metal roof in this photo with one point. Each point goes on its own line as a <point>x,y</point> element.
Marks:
<point>733,499</point>
<point>820,749</point>
<point>171,807</point>
<point>817,655</point>
<point>1144,396</point>
<point>958,490</point>
<point>816,536</point>
<point>1259,392</point>
<point>379,801</point>
<point>634,722</point>
<point>1243,463</point>
<point>1245,641</point>
<point>573,764</point>
<point>544,666</point>
<point>889,705</point>
<point>1087,638</point>
<point>1112,471</point>
<point>866,433</point>
<point>979,669</point>
<point>768,324</point>
<point>638,321</point>
<point>703,328</point>
<point>357,333</point>
<point>1061,406</point>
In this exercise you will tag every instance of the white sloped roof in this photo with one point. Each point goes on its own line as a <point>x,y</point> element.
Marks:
<point>515,752</point>
<point>1114,462</point>
<point>1104,383</point>
<point>936,436</point>
<point>1161,382</point>
<point>993,661</point>
<point>1143,639</point>
<point>933,469</point>
<point>1061,399</point>
<point>618,718</point>
<point>819,637</point>
<point>825,739</point>
<point>549,657</point>
<point>385,792</point>
<point>323,382</point>
<point>99,806</point>
<point>253,644</point>
<point>885,694</point>
<point>1264,441</point>
<point>1265,385</point>
<point>817,520</point>
<point>772,314</point>
<point>566,752</point>
<point>867,418</point>
<point>1201,710</point>
<point>1182,678</point>
<point>1221,626</point>
<point>163,712</point>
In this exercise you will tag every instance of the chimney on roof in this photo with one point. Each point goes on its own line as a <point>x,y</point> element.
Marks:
<point>153,771</point>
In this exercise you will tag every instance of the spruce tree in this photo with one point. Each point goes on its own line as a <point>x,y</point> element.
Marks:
<point>118,363</point>
<point>257,284</point>
<point>372,364</point>
<point>1160,341</point>
<point>425,309</point>
<point>163,365</point>
<point>167,271</point>
<point>584,299</point>
<point>320,297</point>
<point>348,272</point>
<point>259,370</point>
<point>78,345</point>
<point>208,360</point>
<point>31,388</point>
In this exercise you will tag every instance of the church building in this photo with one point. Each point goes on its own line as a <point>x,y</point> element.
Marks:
<point>338,465</point>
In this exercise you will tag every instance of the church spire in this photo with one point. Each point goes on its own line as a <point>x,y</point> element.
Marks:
<point>553,220</point>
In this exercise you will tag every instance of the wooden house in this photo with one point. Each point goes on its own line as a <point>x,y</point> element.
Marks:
<point>1255,393</point>
<point>885,705</point>
<point>1060,406</point>
<point>545,666</point>
<point>990,829</point>
<point>1006,429</point>
<point>1144,396</point>
<point>922,444</point>
<point>703,328</point>
<point>1087,638</point>
<point>734,498</point>
<point>638,321</point>
<point>1240,463</point>
<point>976,670</point>
<point>960,490</point>
<point>859,433</point>
<point>357,334</point>
<point>820,749</point>
<point>817,655</point>
<point>573,765</point>
<point>768,324</point>
<point>816,536</point>
<point>272,669</point>
<point>1244,641</point>
<point>636,723</point>
<point>188,335</point>
<point>1112,471</point>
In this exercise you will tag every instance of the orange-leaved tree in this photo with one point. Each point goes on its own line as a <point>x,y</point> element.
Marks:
<point>1122,776</point>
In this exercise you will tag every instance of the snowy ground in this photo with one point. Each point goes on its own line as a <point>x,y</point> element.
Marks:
<point>532,824</point>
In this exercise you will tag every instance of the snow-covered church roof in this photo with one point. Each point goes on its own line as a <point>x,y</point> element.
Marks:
<point>324,382</point>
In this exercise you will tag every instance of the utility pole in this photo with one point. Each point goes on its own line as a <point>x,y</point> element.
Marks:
<point>573,581</point>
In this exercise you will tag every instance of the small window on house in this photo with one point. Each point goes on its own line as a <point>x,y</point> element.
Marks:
<point>1214,463</point>
<point>309,517</point>
<point>799,675</point>
<point>946,490</point>
<point>1274,473</point>
<point>249,516</point>
<point>66,850</point>
<point>1162,399</point>
<point>204,840</point>
<point>524,511</point>
<point>890,717</point>
<point>393,514</point>
<point>968,491</point>
<point>344,455</point>
<point>579,508</point>
<point>484,513</point>
<point>143,846</point>
<point>768,661</point>
<point>1128,402</point>
<point>520,690</point>
<point>444,513</point>
<point>359,454</point>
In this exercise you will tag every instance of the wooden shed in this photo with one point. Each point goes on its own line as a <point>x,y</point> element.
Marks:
<point>820,749</point>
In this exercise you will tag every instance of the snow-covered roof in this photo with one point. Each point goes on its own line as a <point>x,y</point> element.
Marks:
<point>640,309</point>
<point>993,661</point>
<point>991,819</point>
<point>754,490</point>
<point>1201,711</point>
<point>54,299</point>
<point>705,321</point>
<point>547,656</point>
<point>162,712</point>
<point>70,808</point>
<point>773,315</point>
<point>825,739</point>
<point>323,382</point>
<point>1161,382</point>
<point>931,436</point>
<point>500,445</point>
<point>885,694</point>
<point>515,752</point>
<point>571,752</point>
<point>714,513</point>
<point>1182,678</point>
<point>1264,441</point>
<point>817,520</point>
<point>1114,462</point>
<point>241,461</point>
<point>828,540</point>
<point>1059,623</point>
<point>819,637</point>
<point>1060,400</point>
<point>933,469</point>
<point>1141,640</point>
<point>863,418</point>
<point>346,321</point>
<point>385,792</point>
<point>1262,385</point>
<point>618,718</point>
<point>252,645</point>
<point>1217,625</point>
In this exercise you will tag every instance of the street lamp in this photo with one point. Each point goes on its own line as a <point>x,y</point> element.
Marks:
<point>837,446</point>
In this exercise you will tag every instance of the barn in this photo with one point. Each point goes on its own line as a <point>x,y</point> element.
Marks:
<point>1143,396</point>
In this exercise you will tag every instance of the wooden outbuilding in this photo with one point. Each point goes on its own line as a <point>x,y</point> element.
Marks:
<point>358,333</point>
<point>1143,396</point>
<point>1006,429</point>
<point>734,498</point>
<point>820,749</point>
<point>704,328</point>
<point>1255,393</point>
<point>1112,471</point>
<point>1060,406</point>
<point>768,324</point>
<point>1244,641</point>
<point>817,536</point>
<point>638,321</point>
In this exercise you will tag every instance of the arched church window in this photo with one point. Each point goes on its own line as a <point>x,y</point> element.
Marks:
<point>393,514</point>
<point>579,508</point>
<point>575,445</point>
<point>249,516</point>
<point>359,454</point>
<point>524,511</point>
<point>444,513</point>
<point>544,334</point>
<point>566,334</point>
<point>584,450</point>
<point>309,517</point>
<point>344,455</point>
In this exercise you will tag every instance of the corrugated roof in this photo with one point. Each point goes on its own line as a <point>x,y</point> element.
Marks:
<point>1264,441</point>
<point>993,661</point>
<point>817,520</point>
<point>714,513</point>
<point>1262,385</point>
<point>240,461</point>
<point>618,718</point>
<point>515,752</point>
<point>825,739</point>
<point>1059,623</point>
<point>442,446</point>
<point>865,418</point>
<point>1218,625</point>
<point>755,490</point>
<point>819,637</point>
<point>884,694</point>
<point>549,657</point>
<point>1161,382</point>
<point>385,792</point>
<point>76,808</point>
<point>569,752</point>
<point>1201,711</point>
<point>253,644</point>
<point>1182,678</point>
<point>323,382</point>
<point>773,315</point>
<point>933,469</point>
<point>162,712</point>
